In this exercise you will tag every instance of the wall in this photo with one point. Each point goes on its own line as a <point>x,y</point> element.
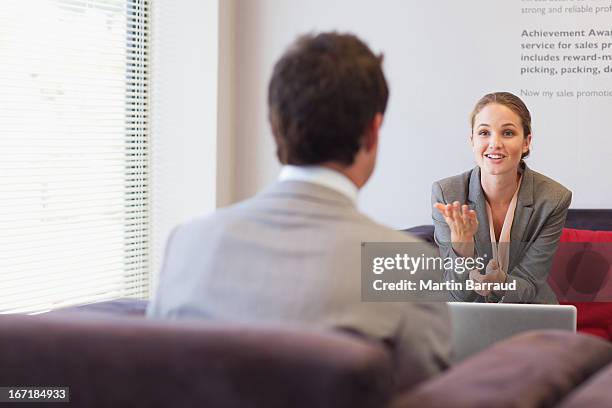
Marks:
<point>226,100</point>
<point>440,57</point>
<point>184,63</point>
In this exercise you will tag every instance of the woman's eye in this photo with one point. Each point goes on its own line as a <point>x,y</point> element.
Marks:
<point>508,133</point>
<point>483,133</point>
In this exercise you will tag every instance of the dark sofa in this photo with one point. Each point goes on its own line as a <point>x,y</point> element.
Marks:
<point>127,361</point>
<point>113,361</point>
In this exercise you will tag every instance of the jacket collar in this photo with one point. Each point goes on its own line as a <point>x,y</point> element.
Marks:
<point>307,191</point>
<point>323,176</point>
<point>522,215</point>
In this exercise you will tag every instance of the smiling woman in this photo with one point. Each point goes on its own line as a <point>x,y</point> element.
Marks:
<point>501,209</point>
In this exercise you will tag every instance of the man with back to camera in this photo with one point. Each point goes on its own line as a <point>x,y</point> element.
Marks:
<point>292,253</point>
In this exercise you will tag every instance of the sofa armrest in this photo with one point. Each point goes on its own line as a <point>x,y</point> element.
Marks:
<point>593,393</point>
<point>537,368</point>
<point>117,307</point>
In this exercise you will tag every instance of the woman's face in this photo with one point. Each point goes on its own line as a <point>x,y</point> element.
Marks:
<point>497,139</point>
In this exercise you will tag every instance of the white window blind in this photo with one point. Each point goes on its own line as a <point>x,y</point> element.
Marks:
<point>74,201</point>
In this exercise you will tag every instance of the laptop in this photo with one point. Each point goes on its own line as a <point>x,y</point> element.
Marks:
<point>476,326</point>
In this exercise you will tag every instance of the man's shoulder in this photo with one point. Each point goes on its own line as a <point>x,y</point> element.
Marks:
<point>346,223</point>
<point>217,221</point>
<point>377,232</point>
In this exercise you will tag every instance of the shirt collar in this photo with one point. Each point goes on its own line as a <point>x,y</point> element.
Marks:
<point>322,176</point>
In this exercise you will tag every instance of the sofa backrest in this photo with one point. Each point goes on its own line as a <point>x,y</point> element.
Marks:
<point>109,361</point>
<point>589,219</point>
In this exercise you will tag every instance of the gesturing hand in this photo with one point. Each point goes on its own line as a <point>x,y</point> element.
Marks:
<point>463,225</point>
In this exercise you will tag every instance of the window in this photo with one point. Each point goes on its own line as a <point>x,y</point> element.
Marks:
<point>74,152</point>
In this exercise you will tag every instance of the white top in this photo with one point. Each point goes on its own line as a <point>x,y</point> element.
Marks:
<point>322,176</point>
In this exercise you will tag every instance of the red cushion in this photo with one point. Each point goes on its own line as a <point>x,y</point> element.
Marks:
<point>593,317</point>
<point>576,235</point>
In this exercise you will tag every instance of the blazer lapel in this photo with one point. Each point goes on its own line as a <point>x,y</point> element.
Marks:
<point>476,200</point>
<point>522,216</point>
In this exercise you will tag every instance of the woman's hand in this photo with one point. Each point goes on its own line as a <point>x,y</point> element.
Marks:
<point>463,225</point>
<point>494,274</point>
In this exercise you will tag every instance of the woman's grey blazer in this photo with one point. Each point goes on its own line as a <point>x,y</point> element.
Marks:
<point>538,221</point>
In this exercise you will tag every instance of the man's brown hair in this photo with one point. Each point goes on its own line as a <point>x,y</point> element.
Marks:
<point>324,92</point>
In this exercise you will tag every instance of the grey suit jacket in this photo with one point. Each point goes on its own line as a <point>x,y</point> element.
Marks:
<point>538,221</point>
<point>291,255</point>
